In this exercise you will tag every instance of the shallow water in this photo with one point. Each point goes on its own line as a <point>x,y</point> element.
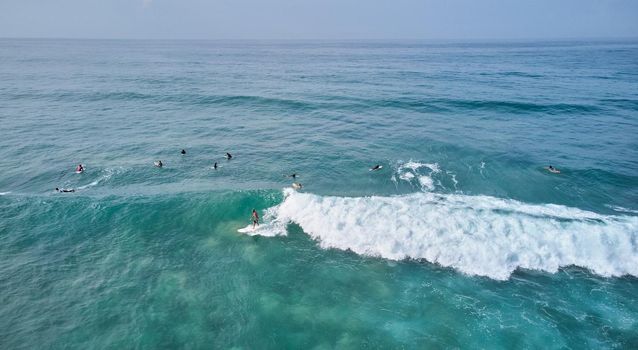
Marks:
<point>462,239</point>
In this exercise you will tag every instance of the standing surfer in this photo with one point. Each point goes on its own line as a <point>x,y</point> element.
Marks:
<point>255,218</point>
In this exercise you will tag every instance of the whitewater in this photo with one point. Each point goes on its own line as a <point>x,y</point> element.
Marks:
<point>477,235</point>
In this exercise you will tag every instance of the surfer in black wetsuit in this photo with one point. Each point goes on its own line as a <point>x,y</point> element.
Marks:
<point>553,170</point>
<point>215,166</point>
<point>376,167</point>
<point>255,218</point>
<point>159,164</point>
<point>183,151</point>
<point>64,190</point>
<point>229,156</point>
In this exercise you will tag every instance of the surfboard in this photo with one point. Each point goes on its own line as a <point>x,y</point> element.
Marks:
<point>553,171</point>
<point>79,171</point>
<point>379,168</point>
<point>248,229</point>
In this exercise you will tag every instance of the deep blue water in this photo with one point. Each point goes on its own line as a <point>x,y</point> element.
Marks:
<point>462,240</point>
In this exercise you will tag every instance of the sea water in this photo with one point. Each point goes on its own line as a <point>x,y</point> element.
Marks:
<point>462,240</point>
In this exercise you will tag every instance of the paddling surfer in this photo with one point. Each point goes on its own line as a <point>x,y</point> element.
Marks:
<point>553,170</point>
<point>64,190</point>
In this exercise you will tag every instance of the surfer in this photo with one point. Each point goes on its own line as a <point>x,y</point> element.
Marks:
<point>293,175</point>
<point>376,167</point>
<point>229,156</point>
<point>159,164</point>
<point>255,218</point>
<point>553,170</point>
<point>297,185</point>
<point>183,151</point>
<point>79,168</point>
<point>64,190</point>
<point>215,166</point>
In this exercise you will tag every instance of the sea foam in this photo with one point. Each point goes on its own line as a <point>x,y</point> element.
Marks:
<point>411,170</point>
<point>477,235</point>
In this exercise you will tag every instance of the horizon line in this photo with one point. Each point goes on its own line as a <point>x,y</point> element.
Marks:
<point>486,39</point>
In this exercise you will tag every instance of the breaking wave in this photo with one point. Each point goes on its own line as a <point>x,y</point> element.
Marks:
<point>477,235</point>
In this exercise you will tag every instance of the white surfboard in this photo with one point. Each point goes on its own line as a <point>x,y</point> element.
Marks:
<point>248,229</point>
<point>554,170</point>
<point>379,168</point>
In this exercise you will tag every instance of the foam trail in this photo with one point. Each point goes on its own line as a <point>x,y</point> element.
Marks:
<point>5,193</point>
<point>477,235</point>
<point>622,209</point>
<point>108,173</point>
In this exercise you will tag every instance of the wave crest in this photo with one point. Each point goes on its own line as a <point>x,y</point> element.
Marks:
<point>477,235</point>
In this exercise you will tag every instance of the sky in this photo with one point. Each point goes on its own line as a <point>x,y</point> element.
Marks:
<point>320,19</point>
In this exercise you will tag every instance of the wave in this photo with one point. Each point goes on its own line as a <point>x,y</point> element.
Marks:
<point>426,105</point>
<point>442,105</point>
<point>515,74</point>
<point>477,235</point>
<point>186,99</point>
<point>105,176</point>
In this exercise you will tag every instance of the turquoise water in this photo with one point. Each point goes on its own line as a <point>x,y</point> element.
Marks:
<point>461,240</point>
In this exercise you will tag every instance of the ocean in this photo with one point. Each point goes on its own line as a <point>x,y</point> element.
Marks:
<point>462,239</point>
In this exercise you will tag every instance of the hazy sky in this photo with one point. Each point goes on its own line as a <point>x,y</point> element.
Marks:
<point>319,19</point>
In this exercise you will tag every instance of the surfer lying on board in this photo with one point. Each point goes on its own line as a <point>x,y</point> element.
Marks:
<point>64,190</point>
<point>376,167</point>
<point>553,170</point>
<point>255,217</point>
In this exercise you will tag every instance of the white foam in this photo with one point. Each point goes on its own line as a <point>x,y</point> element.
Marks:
<point>622,209</point>
<point>410,170</point>
<point>5,193</point>
<point>453,177</point>
<point>477,235</point>
<point>107,174</point>
<point>406,176</point>
<point>426,183</point>
<point>416,165</point>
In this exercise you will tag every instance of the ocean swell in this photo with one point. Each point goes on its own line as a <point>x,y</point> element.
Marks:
<point>477,235</point>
